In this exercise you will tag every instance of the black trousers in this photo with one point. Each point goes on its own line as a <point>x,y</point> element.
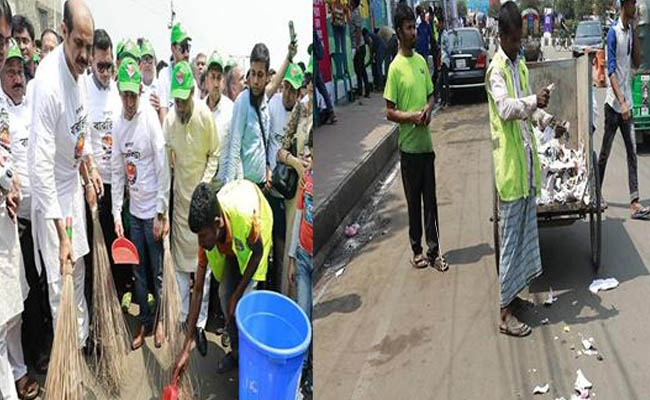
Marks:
<point>37,331</point>
<point>419,180</point>
<point>275,268</point>
<point>613,122</point>
<point>360,70</point>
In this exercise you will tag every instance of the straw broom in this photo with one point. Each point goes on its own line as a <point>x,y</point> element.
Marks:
<point>66,371</point>
<point>169,316</point>
<point>111,336</point>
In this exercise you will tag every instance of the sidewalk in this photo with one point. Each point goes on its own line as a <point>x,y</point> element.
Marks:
<point>351,154</point>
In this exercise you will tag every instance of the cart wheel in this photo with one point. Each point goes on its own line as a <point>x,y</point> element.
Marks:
<point>495,227</point>
<point>595,219</point>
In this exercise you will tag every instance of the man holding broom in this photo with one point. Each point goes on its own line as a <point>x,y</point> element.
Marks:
<point>61,156</point>
<point>235,229</point>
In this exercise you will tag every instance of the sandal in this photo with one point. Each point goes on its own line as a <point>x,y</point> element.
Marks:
<point>513,327</point>
<point>641,213</point>
<point>27,388</point>
<point>440,264</point>
<point>418,261</point>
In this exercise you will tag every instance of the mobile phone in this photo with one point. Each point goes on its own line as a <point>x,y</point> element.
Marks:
<point>292,32</point>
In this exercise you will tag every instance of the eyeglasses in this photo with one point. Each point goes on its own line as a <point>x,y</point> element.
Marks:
<point>103,67</point>
<point>147,59</point>
<point>184,47</point>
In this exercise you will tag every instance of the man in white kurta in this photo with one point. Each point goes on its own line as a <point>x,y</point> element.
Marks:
<point>192,144</point>
<point>59,148</point>
<point>13,285</point>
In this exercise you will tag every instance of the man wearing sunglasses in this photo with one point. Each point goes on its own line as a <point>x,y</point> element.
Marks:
<point>622,54</point>
<point>104,107</point>
<point>181,45</point>
<point>150,83</point>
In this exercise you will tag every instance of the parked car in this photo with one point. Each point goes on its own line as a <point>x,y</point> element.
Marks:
<point>468,59</point>
<point>588,38</point>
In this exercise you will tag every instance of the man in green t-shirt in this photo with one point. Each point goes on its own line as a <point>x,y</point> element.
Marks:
<point>409,102</point>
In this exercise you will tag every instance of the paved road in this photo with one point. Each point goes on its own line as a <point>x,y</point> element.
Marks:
<point>386,331</point>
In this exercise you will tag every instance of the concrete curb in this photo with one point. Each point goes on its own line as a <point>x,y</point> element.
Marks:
<point>334,209</point>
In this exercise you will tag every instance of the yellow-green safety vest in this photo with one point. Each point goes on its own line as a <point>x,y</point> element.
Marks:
<point>240,201</point>
<point>508,152</point>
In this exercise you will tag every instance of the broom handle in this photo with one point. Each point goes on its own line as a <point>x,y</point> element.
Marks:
<point>67,267</point>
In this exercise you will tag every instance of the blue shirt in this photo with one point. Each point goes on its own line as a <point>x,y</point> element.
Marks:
<point>245,153</point>
<point>424,39</point>
<point>619,62</point>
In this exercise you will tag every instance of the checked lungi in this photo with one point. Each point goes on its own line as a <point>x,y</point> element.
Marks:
<point>519,261</point>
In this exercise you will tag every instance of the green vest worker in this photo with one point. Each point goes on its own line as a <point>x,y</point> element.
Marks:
<point>234,227</point>
<point>512,106</point>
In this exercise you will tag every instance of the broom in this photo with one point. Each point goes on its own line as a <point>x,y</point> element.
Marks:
<point>169,315</point>
<point>111,336</point>
<point>65,375</point>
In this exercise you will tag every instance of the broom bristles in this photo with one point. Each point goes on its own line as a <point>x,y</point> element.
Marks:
<point>65,373</point>
<point>169,316</point>
<point>111,342</point>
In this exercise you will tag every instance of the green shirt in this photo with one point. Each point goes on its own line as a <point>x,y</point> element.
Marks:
<point>408,86</point>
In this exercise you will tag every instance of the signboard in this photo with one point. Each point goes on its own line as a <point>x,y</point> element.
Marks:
<point>479,5</point>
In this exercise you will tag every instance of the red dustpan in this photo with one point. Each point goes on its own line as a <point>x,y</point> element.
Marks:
<point>170,393</point>
<point>124,252</point>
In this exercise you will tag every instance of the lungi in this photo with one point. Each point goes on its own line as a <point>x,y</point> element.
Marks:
<point>519,261</point>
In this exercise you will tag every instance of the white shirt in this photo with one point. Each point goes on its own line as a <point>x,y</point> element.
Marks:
<point>147,90</point>
<point>19,121</point>
<point>57,144</point>
<point>522,107</point>
<point>279,118</point>
<point>619,61</point>
<point>222,116</point>
<point>139,158</point>
<point>104,107</point>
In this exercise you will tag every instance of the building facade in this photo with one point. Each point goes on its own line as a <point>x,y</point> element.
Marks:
<point>41,13</point>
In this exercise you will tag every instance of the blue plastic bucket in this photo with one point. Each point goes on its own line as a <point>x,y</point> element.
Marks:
<point>274,335</point>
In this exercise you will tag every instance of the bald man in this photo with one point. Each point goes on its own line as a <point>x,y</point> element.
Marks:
<point>61,154</point>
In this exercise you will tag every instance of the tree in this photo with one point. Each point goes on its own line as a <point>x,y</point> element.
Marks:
<point>461,7</point>
<point>565,7</point>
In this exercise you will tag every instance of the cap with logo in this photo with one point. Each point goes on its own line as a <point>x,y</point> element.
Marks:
<point>146,49</point>
<point>216,59</point>
<point>182,81</point>
<point>130,49</point>
<point>293,76</point>
<point>14,50</point>
<point>119,48</point>
<point>128,76</point>
<point>179,34</point>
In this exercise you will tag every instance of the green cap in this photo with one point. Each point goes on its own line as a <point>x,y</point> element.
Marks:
<point>182,81</point>
<point>130,49</point>
<point>293,76</point>
<point>179,34</point>
<point>310,66</point>
<point>146,49</point>
<point>14,50</point>
<point>128,76</point>
<point>231,62</point>
<point>215,58</point>
<point>36,57</point>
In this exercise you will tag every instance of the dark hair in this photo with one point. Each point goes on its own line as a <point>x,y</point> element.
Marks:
<point>509,18</point>
<point>20,23</point>
<point>364,31</point>
<point>261,53</point>
<point>53,32</point>
<point>67,16</point>
<point>204,207</point>
<point>161,64</point>
<point>102,41</point>
<point>302,66</point>
<point>403,13</point>
<point>5,11</point>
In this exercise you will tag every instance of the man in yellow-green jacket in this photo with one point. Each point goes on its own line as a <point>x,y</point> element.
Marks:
<point>234,229</point>
<point>512,108</point>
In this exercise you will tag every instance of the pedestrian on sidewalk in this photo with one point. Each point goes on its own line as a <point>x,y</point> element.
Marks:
<point>359,51</point>
<point>409,102</point>
<point>512,108</point>
<point>340,13</point>
<point>622,53</point>
<point>378,50</point>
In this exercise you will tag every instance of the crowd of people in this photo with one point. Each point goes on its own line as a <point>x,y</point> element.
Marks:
<point>199,150</point>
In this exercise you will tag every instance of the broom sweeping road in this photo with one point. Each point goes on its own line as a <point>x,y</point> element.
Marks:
<point>387,331</point>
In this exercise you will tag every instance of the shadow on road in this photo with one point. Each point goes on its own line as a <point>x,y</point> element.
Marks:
<point>469,255</point>
<point>344,304</point>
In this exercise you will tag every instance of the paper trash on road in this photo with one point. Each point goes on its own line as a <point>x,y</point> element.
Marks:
<point>352,230</point>
<point>590,352</point>
<point>603,284</point>
<point>567,329</point>
<point>588,343</point>
<point>544,321</point>
<point>582,385</point>
<point>340,272</point>
<point>550,299</point>
<point>541,389</point>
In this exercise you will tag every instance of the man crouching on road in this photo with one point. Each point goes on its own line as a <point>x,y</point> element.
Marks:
<point>516,167</point>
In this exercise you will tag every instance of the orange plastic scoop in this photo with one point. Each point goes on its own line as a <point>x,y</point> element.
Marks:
<point>170,392</point>
<point>124,252</point>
